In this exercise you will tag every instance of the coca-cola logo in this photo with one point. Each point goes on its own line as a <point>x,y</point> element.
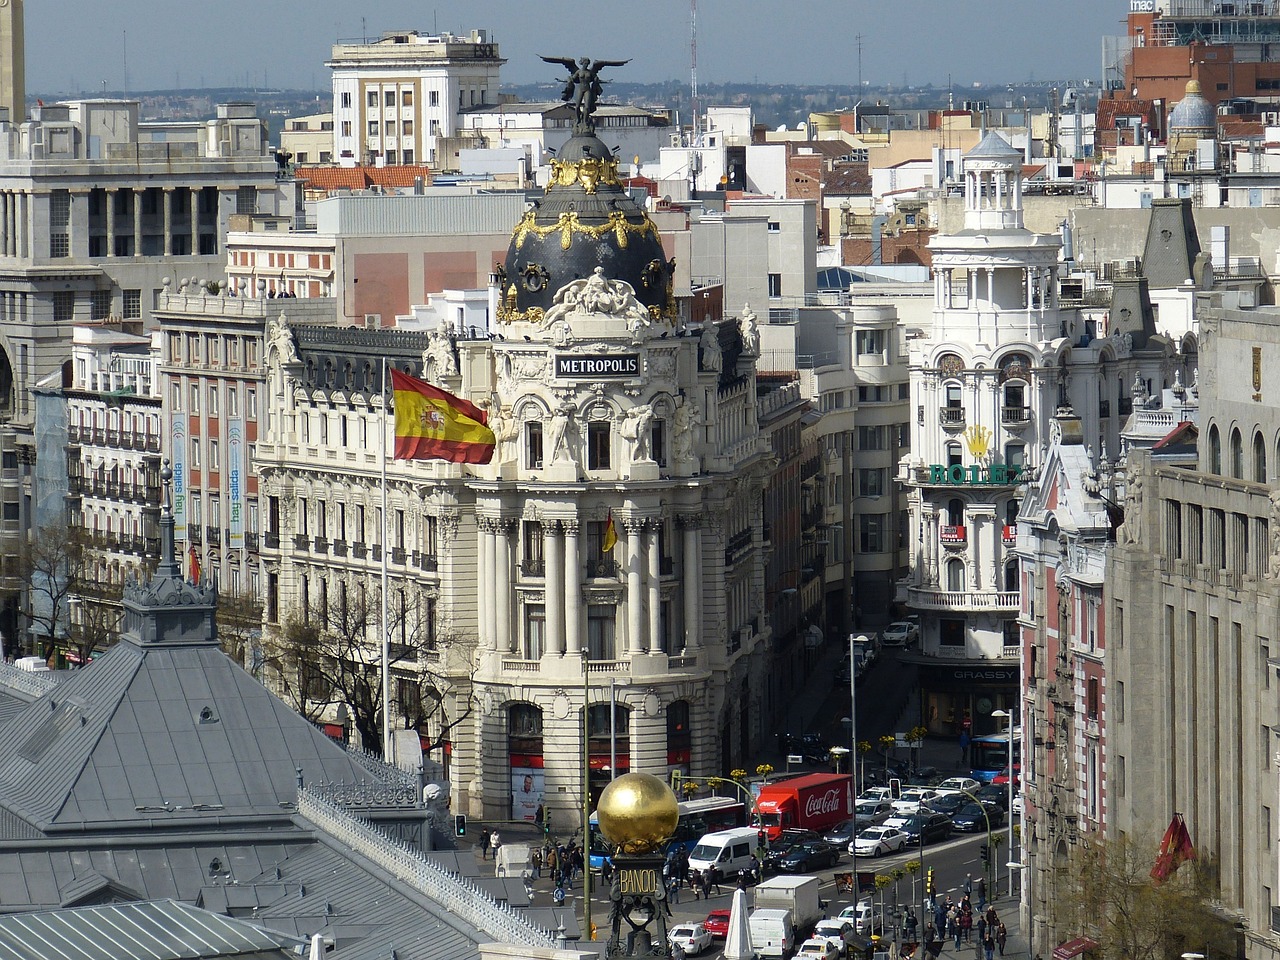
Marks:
<point>821,803</point>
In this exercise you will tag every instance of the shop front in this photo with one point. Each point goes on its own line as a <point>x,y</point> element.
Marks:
<point>959,698</point>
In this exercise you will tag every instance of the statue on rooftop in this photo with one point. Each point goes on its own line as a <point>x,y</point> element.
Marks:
<point>583,87</point>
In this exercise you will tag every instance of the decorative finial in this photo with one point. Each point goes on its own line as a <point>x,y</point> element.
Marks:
<point>166,486</point>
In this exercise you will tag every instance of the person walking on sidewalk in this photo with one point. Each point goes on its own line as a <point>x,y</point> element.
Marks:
<point>980,888</point>
<point>988,946</point>
<point>1002,935</point>
<point>484,844</point>
<point>496,843</point>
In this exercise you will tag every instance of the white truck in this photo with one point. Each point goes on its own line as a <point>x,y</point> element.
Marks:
<point>799,895</point>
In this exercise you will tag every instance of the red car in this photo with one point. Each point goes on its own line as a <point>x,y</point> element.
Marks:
<point>717,923</point>
<point>1002,778</point>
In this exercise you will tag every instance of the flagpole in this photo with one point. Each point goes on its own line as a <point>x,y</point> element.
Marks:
<point>386,626</point>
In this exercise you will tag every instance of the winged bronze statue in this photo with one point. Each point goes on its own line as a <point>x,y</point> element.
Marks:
<point>583,87</point>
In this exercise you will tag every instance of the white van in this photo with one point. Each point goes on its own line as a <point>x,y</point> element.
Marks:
<point>727,851</point>
<point>772,933</point>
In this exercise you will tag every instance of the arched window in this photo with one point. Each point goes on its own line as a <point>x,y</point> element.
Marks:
<point>1259,459</point>
<point>955,575</point>
<point>1215,449</point>
<point>1237,455</point>
<point>954,456</point>
<point>955,512</point>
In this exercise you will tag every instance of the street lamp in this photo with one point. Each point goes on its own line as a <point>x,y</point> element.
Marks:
<point>586,793</point>
<point>1008,714</point>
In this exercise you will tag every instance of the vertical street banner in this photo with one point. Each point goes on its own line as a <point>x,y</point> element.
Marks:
<point>235,481</point>
<point>179,449</point>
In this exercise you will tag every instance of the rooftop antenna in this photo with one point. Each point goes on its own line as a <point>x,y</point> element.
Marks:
<point>693,64</point>
<point>124,57</point>
<point>859,39</point>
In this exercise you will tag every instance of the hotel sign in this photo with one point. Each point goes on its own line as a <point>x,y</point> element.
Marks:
<point>996,475</point>
<point>606,365</point>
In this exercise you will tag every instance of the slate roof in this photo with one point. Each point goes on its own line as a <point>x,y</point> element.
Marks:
<point>993,147</point>
<point>162,930</point>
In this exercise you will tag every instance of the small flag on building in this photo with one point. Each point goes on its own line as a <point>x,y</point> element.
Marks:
<point>610,535</point>
<point>434,425</point>
<point>193,564</point>
<point>1175,849</point>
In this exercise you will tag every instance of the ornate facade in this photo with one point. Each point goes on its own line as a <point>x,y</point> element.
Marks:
<point>612,548</point>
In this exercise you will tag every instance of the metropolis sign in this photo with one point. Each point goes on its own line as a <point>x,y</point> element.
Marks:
<point>605,365</point>
<point>998,474</point>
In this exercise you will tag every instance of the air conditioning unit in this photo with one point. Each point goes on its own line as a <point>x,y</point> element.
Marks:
<point>372,320</point>
<point>675,140</point>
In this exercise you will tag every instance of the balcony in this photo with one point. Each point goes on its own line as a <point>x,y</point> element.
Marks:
<point>339,548</point>
<point>951,418</point>
<point>520,666</point>
<point>955,535</point>
<point>923,598</point>
<point>193,533</point>
<point>272,540</point>
<point>397,555</point>
<point>1104,409</point>
<point>321,545</point>
<point>251,542</point>
<point>213,536</point>
<point>302,543</point>
<point>359,551</point>
<point>535,567</point>
<point>1015,416</point>
<point>1009,534</point>
<point>602,568</point>
<point>428,562</point>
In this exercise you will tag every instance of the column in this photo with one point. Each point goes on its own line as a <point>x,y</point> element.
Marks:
<point>635,584</point>
<point>110,214</point>
<point>573,612</point>
<point>168,221</point>
<point>137,223</point>
<point>194,195</point>
<point>4,224</point>
<point>25,231</point>
<point>691,524</point>
<point>655,589</point>
<point>974,549</point>
<point>483,598</point>
<point>552,550</point>
<point>991,288</point>
<point>502,585</point>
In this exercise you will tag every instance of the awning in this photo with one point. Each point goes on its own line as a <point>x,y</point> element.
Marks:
<point>1073,948</point>
<point>334,731</point>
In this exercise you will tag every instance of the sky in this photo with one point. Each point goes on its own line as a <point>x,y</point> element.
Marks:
<point>134,45</point>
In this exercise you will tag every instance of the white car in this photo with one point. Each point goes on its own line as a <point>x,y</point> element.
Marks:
<point>900,633</point>
<point>863,918</point>
<point>876,793</point>
<point>692,937</point>
<point>819,948</point>
<point>839,931</point>
<point>897,820</point>
<point>912,800</point>
<point>959,785</point>
<point>1016,807</point>
<point>877,841</point>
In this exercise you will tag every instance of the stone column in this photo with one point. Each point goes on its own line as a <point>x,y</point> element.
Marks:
<point>194,196</point>
<point>974,548</point>
<point>26,205</point>
<point>655,589</point>
<point>483,597</point>
<point>502,585</point>
<point>168,221</point>
<point>110,215</point>
<point>635,586</point>
<point>137,228</point>
<point>552,551</point>
<point>574,612</point>
<point>691,525</point>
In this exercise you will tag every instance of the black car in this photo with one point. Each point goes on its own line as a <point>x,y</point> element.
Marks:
<point>948,803</point>
<point>994,795</point>
<point>970,818</point>
<point>812,747</point>
<point>807,857</point>
<point>935,826</point>
<point>786,843</point>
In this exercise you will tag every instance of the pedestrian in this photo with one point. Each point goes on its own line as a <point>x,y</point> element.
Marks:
<point>966,922</point>
<point>988,946</point>
<point>484,844</point>
<point>953,926</point>
<point>930,932</point>
<point>968,884</point>
<point>706,883</point>
<point>982,926</point>
<point>535,861</point>
<point>695,881</point>
<point>673,890</point>
<point>981,889</point>
<point>579,864</point>
<point>552,861</point>
<point>496,843</point>
<point>1001,936</point>
<point>992,919</point>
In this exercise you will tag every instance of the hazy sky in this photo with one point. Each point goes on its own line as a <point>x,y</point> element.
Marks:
<point>75,45</point>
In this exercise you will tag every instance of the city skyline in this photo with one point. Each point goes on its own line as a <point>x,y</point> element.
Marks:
<point>127,47</point>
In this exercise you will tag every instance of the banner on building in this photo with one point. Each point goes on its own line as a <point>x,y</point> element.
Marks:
<point>527,784</point>
<point>235,481</point>
<point>179,451</point>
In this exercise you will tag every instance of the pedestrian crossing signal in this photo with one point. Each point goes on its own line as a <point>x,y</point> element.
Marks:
<point>986,853</point>
<point>929,888</point>
<point>460,825</point>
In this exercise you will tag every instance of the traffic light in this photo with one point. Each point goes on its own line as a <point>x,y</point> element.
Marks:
<point>760,837</point>
<point>929,888</point>
<point>460,825</point>
<point>895,788</point>
<point>986,853</point>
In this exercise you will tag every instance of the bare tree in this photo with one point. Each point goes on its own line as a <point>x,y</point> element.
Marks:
<point>1115,900</point>
<point>334,656</point>
<point>96,622</point>
<point>54,565</point>
<point>239,619</point>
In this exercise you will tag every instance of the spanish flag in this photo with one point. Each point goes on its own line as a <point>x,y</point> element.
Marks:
<point>193,563</point>
<point>610,535</point>
<point>434,425</point>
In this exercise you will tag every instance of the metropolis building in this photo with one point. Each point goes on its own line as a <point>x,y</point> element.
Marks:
<point>612,551</point>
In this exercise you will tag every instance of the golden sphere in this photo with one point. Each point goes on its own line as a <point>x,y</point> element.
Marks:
<point>637,813</point>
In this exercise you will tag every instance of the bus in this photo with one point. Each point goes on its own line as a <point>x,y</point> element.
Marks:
<point>989,755</point>
<point>697,818</point>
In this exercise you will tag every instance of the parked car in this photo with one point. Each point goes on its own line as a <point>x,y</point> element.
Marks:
<point>900,633</point>
<point>913,799</point>
<point>811,746</point>
<point>693,938</point>
<point>844,673</point>
<point>970,819</point>
<point>807,857</point>
<point>934,826</point>
<point>717,923</point>
<point>877,841</point>
<point>840,835</point>
<point>961,784</point>
<point>819,948</point>
<point>948,803</point>
<point>867,813</point>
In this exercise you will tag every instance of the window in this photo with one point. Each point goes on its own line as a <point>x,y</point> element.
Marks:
<point>954,400</point>
<point>775,226</point>
<point>406,156</point>
<point>59,218</point>
<point>213,453</point>
<point>955,512</point>
<point>1092,698</point>
<point>871,482</point>
<point>954,456</point>
<point>871,529</point>
<point>99,304</point>
<point>535,630</point>
<point>531,537</point>
<point>598,445</point>
<point>601,624</point>
<point>195,398</point>
<point>371,99</point>
<point>251,403</point>
<point>1015,455</point>
<point>433,98</point>
<point>658,443</point>
<point>775,284</point>
<point>406,129</point>
<point>870,342</point>
<point>346,128</point>
<point>373,128</point>
<point>1237,455</point>
<point>246,201</point>
<point>233,401</point>
<point>132,305</point>
<point>346,99</point>
<point>951,632</point>
<point>1215,449</point>
<point>955,575</point>
<point>1259,459</point>
<point>64,306</point>
<point>871,438</point>
<point>406,98</point>
<point>389,98</point>
<point>213,399</point>
<point>1117,701</point>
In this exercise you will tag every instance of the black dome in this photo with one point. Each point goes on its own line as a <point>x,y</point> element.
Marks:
<point>586,220</point>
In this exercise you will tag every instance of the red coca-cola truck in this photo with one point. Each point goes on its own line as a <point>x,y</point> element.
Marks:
<point>815,801</point>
